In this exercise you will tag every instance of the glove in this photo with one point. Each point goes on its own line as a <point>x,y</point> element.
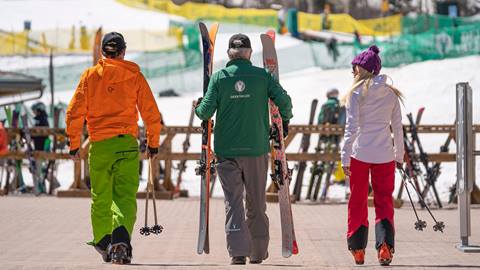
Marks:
<point>152,151</point>
<point>75,154</point>
<point>199,100</point>
<point>285,128</point>
<point>399,165</point>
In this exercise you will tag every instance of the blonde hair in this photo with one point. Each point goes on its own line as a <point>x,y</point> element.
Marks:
<point>365,78</point>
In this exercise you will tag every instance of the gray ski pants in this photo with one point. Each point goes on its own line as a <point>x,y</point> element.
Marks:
<point>248,237</point>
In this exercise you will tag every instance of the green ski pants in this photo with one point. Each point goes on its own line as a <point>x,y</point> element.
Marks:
<point>113,167</point>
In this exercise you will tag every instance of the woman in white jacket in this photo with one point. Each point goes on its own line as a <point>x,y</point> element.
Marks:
<point>373,112</point>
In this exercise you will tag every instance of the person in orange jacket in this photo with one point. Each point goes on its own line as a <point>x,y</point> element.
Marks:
<point>109,97</point>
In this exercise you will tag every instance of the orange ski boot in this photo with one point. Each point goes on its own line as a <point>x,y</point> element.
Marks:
<point>358,256</point>
<point>385,255</point>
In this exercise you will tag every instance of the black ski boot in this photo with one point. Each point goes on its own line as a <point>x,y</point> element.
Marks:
<point>238,260</point>
<point>121,250</point>
<point>258,261</point>
<point>120,253</point>
<point>102,247</point>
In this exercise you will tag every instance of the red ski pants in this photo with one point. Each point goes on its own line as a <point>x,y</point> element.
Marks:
<point>383,184</point>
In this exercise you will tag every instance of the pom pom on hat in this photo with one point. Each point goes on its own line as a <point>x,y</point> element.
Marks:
<point>369,60</point>
<point>374,49</point>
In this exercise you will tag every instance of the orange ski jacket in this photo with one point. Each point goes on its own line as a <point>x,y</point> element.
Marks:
<point>109,97</point>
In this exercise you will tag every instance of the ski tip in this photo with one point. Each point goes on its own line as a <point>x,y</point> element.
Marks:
<point>271,33</point>
<point>421,109</point>
<point>295,248</point>
<point>213,31</point>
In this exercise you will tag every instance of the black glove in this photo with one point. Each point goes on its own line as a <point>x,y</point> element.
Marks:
<point>285,128</point>
<point>199,100</point>
<point>152,151</point>
<point>73,152</point>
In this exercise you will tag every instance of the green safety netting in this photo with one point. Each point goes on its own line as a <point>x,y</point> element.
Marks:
<point>425,22</point>
<point>446,42</point>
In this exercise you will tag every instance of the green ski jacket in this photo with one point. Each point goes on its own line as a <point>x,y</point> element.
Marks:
<point>239,95</point>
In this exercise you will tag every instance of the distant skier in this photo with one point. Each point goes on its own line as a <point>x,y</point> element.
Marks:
<point>373,107</point>
<point>332,112</point>
<point>40,143</point>
<point>109,97</point>
<point>357,38</point>
<point>332,48</point>
<point>41,120</point>
<point>239,94</point>
<point>281,15</point>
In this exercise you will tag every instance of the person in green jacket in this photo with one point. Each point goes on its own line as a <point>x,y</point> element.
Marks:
<point>330,112</point>
<point>239,95</point>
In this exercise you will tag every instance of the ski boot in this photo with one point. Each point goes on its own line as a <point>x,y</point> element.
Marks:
<point>385,255</point>
<point>102,247</point>
<point>104,253</point>
<point>358,256</point>
<point>259,261</point>
<point>238,260</point>
<point>120,253</point>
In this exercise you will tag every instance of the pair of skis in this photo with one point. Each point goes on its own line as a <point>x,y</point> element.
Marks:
<point>206,166</point>
<point>281,174</point>
<point>432,172</point>
<point>304,145</point>
<point>326,145</point>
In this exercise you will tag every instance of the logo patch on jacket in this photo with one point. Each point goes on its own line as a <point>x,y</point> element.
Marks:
<point>239,86</point>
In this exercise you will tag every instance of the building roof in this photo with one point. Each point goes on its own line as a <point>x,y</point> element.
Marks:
<point>17,87</point>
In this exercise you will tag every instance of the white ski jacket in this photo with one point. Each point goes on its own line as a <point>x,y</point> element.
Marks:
<point>369,117</point>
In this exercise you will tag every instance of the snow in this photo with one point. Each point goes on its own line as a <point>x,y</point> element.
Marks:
<point>430,84</point>
<point>91,13</point>
<point>14,63</point>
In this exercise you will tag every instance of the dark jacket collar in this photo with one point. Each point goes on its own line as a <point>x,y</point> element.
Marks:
<point>239,61</point>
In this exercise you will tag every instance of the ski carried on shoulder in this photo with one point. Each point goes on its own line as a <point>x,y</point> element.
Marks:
<point>206,164</point>
<point>281,175</point>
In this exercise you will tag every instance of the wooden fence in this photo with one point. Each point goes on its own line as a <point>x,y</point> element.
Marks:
<point>166,188</point>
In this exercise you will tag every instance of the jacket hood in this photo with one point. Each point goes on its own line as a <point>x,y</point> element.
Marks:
<point>116,70</point>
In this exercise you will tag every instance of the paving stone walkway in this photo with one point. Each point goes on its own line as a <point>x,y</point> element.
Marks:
<point>50,233</point>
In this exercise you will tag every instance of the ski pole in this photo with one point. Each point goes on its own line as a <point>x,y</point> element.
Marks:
<point>419,224</point>
<point>145,230</point>
<point>439,225</point>
<point>156,229</point>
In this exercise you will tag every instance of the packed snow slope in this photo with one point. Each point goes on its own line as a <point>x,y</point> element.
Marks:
<point>92,13</point>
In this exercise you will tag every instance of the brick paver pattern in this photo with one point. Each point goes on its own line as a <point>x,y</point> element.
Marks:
<point>50,233</point>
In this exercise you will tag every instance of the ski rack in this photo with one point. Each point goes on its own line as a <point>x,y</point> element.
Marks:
<point>165,190</point>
